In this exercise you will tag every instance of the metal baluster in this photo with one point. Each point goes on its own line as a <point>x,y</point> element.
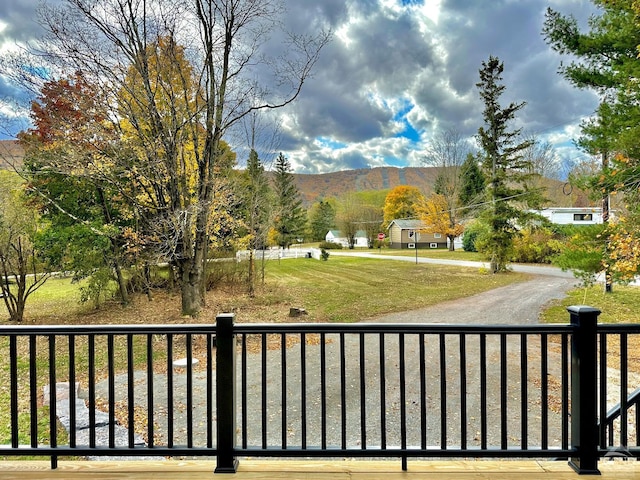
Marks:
<point>189,347</point>
<point>150,404</point>
<point>91,348</point>
<point>112,391</point>
<point>624,379</point>
<point>544,391</point>
<point>423,394</point>
<point>403,400</point>
<point>602,433</point>
<point>170,411</point>
<point>503,392</point>
<point>483,391</point>
<point>53,423</point>
<point>443,392</point>
<point>243,395</point>
<point>383,397</point>
<point>283,370</point>
<point>13,388</point>
<point>323,391</point>
<point>363,396</point>
<point>343,393</point>
<point>303,390</point>
<point>524,393</point>
<point>33,390</point>
<point>72,391</point>
<point>264,391</point>
<point>130,392</point>
<point>463,391</point>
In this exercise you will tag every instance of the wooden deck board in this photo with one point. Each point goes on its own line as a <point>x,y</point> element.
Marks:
<point>311,470</point>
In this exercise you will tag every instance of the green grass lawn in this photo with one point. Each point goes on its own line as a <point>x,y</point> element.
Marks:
<point>348,289</point>
<point>620,306</point>
<point>426,253</point>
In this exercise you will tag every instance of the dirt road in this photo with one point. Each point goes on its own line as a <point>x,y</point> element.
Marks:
<point>516,304</point>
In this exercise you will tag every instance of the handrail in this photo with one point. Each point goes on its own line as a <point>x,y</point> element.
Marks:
<point>614,412</point>
<point>320,390</point>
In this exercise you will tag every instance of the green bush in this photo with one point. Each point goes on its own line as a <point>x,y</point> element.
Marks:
<point>99,287</point>
<point>471,234</point>
<point>536,245</point>
<point>330,245</point>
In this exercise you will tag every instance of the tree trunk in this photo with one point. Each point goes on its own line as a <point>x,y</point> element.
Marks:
<point>452,247</point>
<point>122,283</point>
<point>251,277</point>
<point>190,274</point>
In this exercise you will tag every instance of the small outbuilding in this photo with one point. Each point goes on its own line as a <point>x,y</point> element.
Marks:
<point>409,234</point>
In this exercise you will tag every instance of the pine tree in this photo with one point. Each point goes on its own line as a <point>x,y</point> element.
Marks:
<point>257,210</point>
<point>472,184</point>
<point>291,219</point>
<point>506,168</point>
<point>321,219</point>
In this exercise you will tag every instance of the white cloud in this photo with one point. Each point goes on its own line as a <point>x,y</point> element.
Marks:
<point>400,70</point>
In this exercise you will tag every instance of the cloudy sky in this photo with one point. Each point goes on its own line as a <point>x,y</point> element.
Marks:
<point>399,71</point>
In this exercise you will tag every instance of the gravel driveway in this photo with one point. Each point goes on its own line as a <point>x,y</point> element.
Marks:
<point>520,303</point>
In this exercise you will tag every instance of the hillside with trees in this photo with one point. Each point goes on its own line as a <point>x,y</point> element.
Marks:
<point>316,187</point>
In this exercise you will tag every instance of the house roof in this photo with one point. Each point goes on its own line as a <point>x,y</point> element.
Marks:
<point>339,234</point>
<point>407,224</point>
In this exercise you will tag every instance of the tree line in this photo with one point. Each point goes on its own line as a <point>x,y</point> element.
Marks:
<point>127,163</point>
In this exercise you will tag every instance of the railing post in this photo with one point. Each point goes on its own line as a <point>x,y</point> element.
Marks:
<point>226,393</point>
<point>584,389</point>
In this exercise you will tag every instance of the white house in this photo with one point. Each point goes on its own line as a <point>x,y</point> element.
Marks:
<point>336,236</point>
<point>573,215</point>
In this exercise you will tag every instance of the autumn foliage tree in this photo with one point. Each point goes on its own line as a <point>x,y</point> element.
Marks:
<point>68,165</point>
<point>435,214</point>
<point>176,80</point>
<point>402,202</point>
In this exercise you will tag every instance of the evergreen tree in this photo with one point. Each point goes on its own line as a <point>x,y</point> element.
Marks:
<point>507,170</point>
<point>321,219</point>
<point>472,184</point>
<point>605,60</point>
<point>257,210</point>
<point>290,218</point>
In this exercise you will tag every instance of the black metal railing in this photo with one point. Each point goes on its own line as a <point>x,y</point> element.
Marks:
<point>619,414</point>
<point>321,390</point>
<point>124,371</point>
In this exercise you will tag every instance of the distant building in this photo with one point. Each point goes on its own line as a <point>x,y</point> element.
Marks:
<point>573,215</point>
<point>407,234</point>
<point>336,236</point>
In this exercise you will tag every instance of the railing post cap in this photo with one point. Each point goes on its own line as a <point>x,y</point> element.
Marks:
<point>225,316</point>
<point>583,309</point>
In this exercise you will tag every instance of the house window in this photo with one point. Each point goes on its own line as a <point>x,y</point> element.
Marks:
<point>582,217</point>
<point>437,235</point>
<point>411,245</point>
<point>433,245</point>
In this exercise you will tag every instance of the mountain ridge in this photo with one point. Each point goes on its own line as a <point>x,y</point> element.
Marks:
<point>314,187</point>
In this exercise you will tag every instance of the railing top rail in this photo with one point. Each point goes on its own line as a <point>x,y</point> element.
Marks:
<point>6,330</point>
<point>618,328</point>
<point>253,328</point>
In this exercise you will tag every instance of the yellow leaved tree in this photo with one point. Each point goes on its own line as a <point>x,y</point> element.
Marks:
<point>434,213</point>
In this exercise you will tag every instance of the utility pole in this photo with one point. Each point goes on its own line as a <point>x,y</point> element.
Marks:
<point>608,287</point>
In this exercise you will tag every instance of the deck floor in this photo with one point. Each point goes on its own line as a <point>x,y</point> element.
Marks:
<point>312,470</point>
